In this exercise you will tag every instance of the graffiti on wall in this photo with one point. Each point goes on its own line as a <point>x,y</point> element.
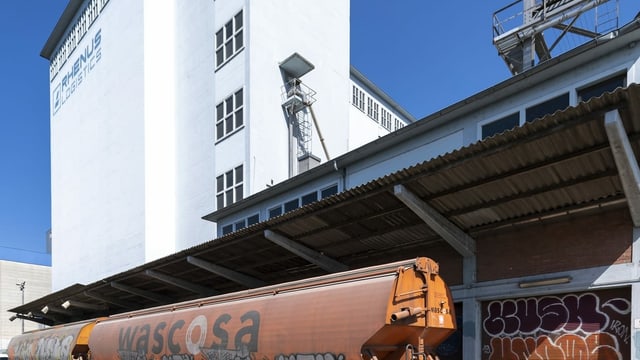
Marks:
<point>591,325</point>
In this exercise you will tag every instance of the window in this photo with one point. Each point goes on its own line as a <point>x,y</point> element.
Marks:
<point>291,205</point>
<point>229,187</point>
<point>358,98</point>
<point>302,201</point>
<point>386,119</point>
<point>601,87</point>
<point>375,111</point>
<point>229,40</point>
<point>229,115</point>
<point>399,124</point>
<point>331,190</point>
<point>240,224</point>
<point>370,107</point>
<point>309,198</point>
<point>275,211</point>
<point>506,123</point>
<point>227,229</point>
<point>547,107</point>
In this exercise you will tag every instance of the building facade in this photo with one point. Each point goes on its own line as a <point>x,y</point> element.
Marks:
<point>164,111</point>
<point>20,283</point>
<point>526,194</point>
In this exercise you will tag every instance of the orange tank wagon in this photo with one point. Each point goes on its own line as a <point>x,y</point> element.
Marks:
<point>398,311</point>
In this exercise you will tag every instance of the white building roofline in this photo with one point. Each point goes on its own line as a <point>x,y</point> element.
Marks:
<point>379,92</point>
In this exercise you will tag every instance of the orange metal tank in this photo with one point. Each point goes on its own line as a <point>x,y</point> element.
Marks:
<point>384,312</point>
<point>60,342</point>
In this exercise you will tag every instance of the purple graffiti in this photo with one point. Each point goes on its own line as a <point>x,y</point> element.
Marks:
<point>571,313</point>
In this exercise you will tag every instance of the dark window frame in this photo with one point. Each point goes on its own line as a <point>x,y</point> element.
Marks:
<point>229,39</point>
<point>230,114</point>
<point>500,125</point>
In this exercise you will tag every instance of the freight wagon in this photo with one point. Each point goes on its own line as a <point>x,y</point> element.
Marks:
<point>397,311</point>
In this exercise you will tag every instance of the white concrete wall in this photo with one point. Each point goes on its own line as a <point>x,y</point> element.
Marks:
<point>277,30</point>
<point>195,124</point>
<point>37,280</point>
<point>97,154</point>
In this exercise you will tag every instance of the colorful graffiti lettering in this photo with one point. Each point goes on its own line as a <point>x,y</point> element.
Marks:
<point>316,356</point>
<point>575,326</point>
<point>569,346</point>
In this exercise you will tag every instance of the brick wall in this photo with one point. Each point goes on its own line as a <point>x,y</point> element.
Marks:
<point>577,243</point>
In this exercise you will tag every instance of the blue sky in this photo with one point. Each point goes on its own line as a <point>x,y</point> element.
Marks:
<point>424,54</point>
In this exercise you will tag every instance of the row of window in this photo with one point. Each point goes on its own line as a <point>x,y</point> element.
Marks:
<point>229,114</point>
<point>241,224</point>
<point>302,201</point>
<point>229,40</point>
<point>374,110</point>
<point>282,208</point>
<point>551,105</point>
<point>230,187</point>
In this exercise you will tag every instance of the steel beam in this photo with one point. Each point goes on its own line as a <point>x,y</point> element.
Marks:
<point>312,256</point>
<point>458,239</point>
<point>187,285</point>
<point>142,293</point>
<point>232,275</point>
<point>626,162</point>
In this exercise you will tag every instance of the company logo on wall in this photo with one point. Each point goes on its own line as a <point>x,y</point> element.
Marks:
<point>81,67</point>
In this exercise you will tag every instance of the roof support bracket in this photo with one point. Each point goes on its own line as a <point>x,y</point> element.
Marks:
<point>458,239</point>
<point>312,256</point>
<point>187,285</point>
<point>142,293</point>
<point>232,275</point>
<point>117,302</point>
<point>625,162</point>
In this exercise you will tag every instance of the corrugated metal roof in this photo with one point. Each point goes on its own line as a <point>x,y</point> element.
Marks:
<point>550,167</point>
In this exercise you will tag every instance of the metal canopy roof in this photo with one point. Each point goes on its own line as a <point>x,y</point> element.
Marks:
<point>550,167</point>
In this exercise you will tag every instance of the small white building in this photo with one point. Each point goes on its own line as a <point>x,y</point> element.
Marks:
<point>20,283</point>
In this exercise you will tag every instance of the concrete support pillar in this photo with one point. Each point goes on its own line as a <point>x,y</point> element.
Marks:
<point>471,334</point>
<point>635,297</point>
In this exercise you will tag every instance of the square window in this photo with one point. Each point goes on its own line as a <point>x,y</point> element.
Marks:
<point>254,219</point>
<point>291,205</point>
<point>331,190</point>
<point>607,85</point>
<point>227,229</point>
<point>240,225</point>
<point>547,107</point>
<point>276,211</point>
<point>506,123</point>
<point>309,198</point>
